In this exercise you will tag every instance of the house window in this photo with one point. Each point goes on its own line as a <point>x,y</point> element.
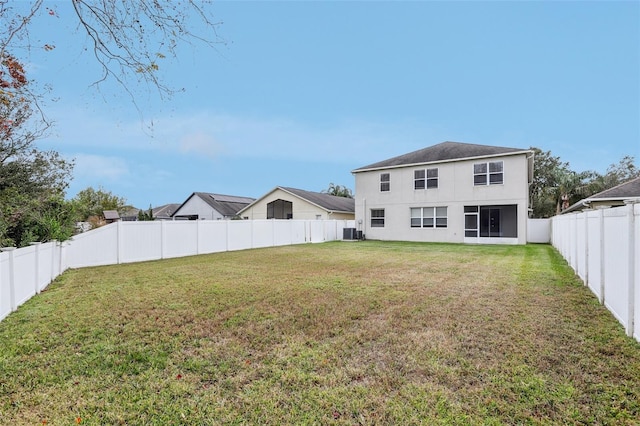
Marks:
<point>429,217</point>
<point>377,218</point>
<point>432,178</point>
<point>280,209</point>
<point>385,182</point>
<point>425,178</point>
<point>490,173</point>
<point>418,179</point>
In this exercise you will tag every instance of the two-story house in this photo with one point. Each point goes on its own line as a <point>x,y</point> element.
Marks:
<point>449,192</point>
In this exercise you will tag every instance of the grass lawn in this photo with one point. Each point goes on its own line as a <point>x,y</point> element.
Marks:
<point>335,333</point>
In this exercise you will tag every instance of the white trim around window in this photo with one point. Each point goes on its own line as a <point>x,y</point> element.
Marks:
<point>377,218</point>
<point>489,173</point>
<point>429,217</point>
<point>385,182</point>
<point>425,179</point>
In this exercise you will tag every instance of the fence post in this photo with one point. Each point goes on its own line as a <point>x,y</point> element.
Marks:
<point>162,239</point>
<point>197,237</point>
<point>12,280</point>
<point>602,286</point>
<point>586,247</point>
<point>226,248</point>
<point>631,265</point>
<point>118,242</point>
<point>37,271</point>
<point>53,260</point>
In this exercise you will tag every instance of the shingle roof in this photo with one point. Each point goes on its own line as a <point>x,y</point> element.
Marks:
<point>165,210</point>
<point>444,151</point>
<point>111,214</point>
<point>328,202</point>
<point>226,205</point>
<point>629,189</point>
<point>613,196</point>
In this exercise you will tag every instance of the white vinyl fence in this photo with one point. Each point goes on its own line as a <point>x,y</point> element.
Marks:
<point>603,247</point>
<point>26,271</point>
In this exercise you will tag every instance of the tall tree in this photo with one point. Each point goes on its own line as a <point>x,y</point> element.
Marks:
<point>93,202</point>
<point>616,174</point>
<point>128,38</point>
<point>32,182</point>
<point>338,190</point>
<point>555,186</point>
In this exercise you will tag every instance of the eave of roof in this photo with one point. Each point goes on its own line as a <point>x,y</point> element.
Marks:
<point>444,152</point>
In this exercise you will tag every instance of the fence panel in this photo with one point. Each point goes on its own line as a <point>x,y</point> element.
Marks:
<point>615,263</point>
<point>539,231</point>
<point>283,232</point>
<point>24,269</point>
<point>212,237</point>
<point>263,233</point>
<point>180,238</point>
<point>594,253</point>
<point>5,290</point>
<point>140,241</point>
<point>46,253</point>
<point>239,234</point>
<point>94,248</point>
<point>636,271</point>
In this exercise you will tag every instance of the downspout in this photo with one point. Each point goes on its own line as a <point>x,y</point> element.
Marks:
<point>631,250</point>
<point>364,216</point>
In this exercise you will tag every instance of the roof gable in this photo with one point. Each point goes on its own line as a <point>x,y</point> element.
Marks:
<point>445,151</point>
<point>226,205</point>
<point>629,189</point>
<point>330,203</point>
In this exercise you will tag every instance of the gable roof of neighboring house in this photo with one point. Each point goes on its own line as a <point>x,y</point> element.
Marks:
<point>625,191</point>
<point>226,205</point>
<point>443,152</point>
<point>330,203</point>
<point>111,215</point>
<point>165,211</point>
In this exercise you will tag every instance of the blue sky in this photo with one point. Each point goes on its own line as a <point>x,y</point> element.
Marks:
<point>304,92</point>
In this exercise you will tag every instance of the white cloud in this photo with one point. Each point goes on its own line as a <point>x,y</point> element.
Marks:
<point>200,143</point>
<point>90,166</point>
<point>217,136</point>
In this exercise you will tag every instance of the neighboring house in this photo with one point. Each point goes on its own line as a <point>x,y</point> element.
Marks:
<point>449,192</point>
<point>612,197</point>
<point>291,203</point>
<point>130,215</point>
<point>164,212</point>
<point>111,216</point>
<point>204,205</point>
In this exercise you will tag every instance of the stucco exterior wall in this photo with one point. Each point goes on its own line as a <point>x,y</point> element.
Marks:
<point>301,209</point>
<point>196,205</point>
<point>455,190</point>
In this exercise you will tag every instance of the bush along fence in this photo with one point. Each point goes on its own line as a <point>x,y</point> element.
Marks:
<point>27,271</point>
<point>603,247</point>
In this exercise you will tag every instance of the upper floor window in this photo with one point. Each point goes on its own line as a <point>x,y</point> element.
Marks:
<point>490,173</point>
<point>385,182</point>
<point>377,218</point>
<point>425,178</point>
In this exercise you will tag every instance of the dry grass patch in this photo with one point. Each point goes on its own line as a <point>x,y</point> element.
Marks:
<point>338,333</point>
